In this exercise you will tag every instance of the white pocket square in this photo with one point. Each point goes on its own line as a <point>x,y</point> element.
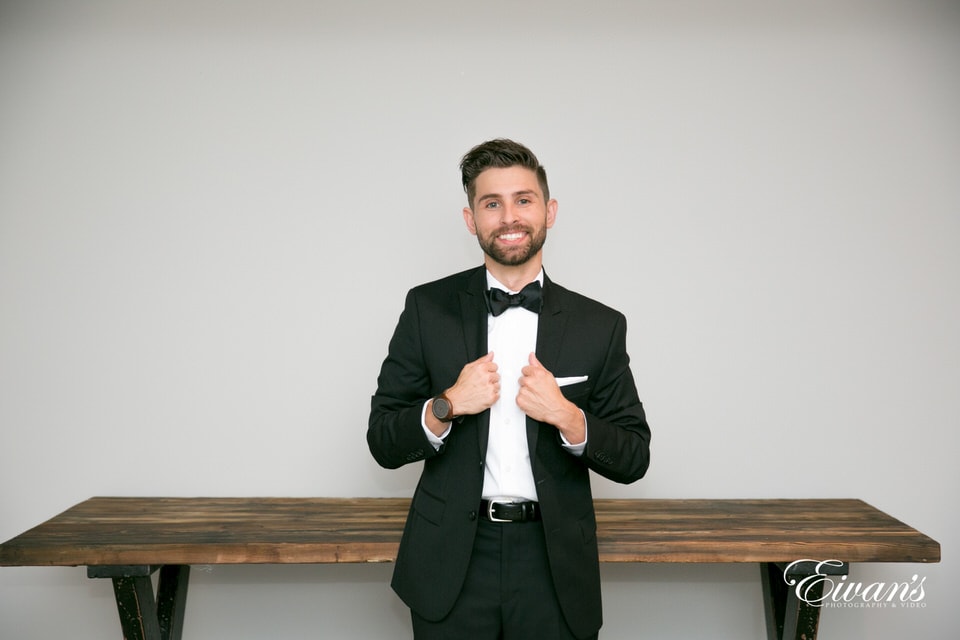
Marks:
<point>563,382</point>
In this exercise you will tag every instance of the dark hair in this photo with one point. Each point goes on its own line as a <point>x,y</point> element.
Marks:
<point>499,154</point>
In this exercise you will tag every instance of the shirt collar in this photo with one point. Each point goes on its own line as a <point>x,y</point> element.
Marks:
<point>494,283</point>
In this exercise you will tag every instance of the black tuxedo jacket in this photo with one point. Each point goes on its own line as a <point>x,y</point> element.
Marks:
<point>443,327</point>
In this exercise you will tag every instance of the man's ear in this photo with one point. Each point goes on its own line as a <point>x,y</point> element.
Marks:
<point>552,207</point>
<point>469,221</point>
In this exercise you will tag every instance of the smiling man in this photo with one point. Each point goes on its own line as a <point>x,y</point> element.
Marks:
<point>509,388</point>
<point>512,215</point>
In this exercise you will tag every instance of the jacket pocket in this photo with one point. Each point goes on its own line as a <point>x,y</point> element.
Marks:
<point>429,507</point>
<point>578,391</point>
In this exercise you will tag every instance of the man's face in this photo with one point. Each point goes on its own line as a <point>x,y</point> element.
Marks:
<point>509,215</point>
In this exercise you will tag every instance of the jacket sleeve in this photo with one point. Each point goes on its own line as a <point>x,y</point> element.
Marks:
<point>394,432</point>
<point>618,440</point>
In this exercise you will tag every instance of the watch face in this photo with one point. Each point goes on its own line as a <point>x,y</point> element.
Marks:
<point>441,408</point>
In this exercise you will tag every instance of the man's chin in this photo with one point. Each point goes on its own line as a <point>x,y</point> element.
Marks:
<point>513,255</point>
<point>512,258</point>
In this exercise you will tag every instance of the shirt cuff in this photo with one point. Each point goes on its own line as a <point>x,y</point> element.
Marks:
<point>431,436</point>
<point>574,449</point>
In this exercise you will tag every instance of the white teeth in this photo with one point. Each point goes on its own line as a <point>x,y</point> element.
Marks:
<point>511,236</point>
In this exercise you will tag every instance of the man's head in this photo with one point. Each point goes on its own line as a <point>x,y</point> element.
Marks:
<point>499,154</point>
<point>510,208</point>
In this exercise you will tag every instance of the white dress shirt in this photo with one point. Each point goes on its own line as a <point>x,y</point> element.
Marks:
<point>512,337</point>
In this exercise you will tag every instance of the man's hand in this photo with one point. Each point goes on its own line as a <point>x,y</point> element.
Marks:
<point>541,399</point>
<point>476,389</point>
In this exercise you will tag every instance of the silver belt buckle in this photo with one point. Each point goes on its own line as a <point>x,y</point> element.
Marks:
<point>491,503</point>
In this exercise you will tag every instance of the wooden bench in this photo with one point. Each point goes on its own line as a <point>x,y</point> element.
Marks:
<point>128,539</point>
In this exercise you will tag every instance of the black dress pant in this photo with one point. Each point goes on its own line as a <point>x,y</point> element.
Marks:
<point>508,593</point>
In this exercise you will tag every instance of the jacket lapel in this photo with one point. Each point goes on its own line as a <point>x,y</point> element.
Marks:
<point>473,316</point>
<point>549,338</point>
<point>551,325</point>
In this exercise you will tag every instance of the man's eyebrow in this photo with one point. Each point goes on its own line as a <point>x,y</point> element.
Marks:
<point>524,192</point>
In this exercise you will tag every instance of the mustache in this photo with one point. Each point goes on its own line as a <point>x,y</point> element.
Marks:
<point>513,228</point>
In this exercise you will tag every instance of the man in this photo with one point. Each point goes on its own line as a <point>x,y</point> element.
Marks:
<point>509,388</point>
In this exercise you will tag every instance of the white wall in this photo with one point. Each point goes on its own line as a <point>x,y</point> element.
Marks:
<point>769,191</point>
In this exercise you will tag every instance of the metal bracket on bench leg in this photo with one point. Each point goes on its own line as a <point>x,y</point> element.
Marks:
<point>143,617</point>
<point>788,616</point>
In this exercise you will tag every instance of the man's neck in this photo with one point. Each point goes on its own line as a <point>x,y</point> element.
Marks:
<point>515,277</point>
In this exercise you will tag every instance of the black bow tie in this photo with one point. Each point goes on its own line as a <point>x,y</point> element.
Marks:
<point>530,298</point>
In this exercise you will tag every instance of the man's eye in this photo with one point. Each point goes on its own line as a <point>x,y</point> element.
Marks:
<point>493,204</point>
<point>523,201</point>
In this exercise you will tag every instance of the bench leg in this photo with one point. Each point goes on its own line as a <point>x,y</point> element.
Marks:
<point>788,616</point>
<point>172,600</point>
<point>143,617</point>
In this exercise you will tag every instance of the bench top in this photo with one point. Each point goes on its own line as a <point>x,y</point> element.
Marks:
<point>158,531</point>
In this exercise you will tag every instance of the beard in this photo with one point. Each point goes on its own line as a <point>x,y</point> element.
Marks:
<point>512,256</point>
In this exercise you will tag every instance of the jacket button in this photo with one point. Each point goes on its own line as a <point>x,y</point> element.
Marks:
<point>472,516</point>
<point>603,457</point>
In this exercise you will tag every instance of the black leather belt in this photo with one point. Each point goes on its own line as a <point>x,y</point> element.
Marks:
<point>499,511</point>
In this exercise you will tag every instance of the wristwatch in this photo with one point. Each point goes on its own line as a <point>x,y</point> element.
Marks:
<point>442,408</point>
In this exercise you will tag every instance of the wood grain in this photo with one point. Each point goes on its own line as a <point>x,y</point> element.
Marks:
<point>158,531</point>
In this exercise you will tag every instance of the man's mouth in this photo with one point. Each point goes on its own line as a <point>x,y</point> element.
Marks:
<point>512,236</point>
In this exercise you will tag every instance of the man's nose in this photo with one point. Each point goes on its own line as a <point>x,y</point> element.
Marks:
<point>508,214</point>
